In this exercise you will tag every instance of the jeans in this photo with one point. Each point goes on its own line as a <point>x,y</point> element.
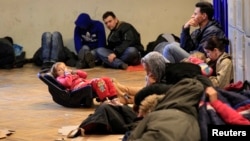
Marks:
<point>130,56</point>
<point>84,49</point>
<point>159,47</point>
<point>52,46</point>
<point>174,53</point>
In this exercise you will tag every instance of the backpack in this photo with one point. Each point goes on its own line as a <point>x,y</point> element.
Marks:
<point>67,56</point>
<point>8,57</point>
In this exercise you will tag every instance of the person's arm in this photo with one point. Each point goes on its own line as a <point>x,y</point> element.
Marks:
<point>77,39</point>
<point>65,80</point>
<point>186,41</point>
<point>223,73</point>
<point>228,114</point>
<point>81,74</point>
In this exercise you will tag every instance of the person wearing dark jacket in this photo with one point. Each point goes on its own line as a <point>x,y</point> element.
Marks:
<point>88,36</point>
<point>202,17</point>
<point>123,44</point>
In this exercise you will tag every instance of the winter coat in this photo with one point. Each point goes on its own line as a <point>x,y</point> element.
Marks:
<point>223,71</point>
<point>88,32</point>
<point>109,119</point>
<point>74,81</point>
<point>175,117</point>
<point>122,37</point>
<point>196,40</point>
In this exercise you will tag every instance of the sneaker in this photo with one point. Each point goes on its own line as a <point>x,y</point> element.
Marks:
<point>123,66</point>
<point>89,59</point>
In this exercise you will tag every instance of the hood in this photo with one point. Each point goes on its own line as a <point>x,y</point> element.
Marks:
<point>184,95</point>
<point>83,21</point>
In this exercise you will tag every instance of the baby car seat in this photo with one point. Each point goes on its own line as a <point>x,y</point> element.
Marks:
<point>81,97</point>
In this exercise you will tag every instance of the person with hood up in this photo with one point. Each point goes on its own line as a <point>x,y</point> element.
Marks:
<point>202,18</point>
<point>88,36</point>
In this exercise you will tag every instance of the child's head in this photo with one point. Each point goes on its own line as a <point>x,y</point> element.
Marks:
<point>195,58</point>
<point>58,69</point>
<point>198,55</point>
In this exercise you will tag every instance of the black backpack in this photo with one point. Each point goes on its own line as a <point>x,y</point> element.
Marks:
<point>8,59</point>
<point>67,56</point>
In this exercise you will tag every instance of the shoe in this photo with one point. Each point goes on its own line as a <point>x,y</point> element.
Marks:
<point>123,66</point>
<point>89,59</point>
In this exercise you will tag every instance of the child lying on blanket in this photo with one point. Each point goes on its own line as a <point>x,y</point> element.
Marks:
<point>72,80</point>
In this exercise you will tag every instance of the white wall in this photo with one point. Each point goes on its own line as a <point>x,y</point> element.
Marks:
<point>26,20</point>
<point>239,35</point>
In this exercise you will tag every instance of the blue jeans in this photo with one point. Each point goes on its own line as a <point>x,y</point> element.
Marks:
<point>174,53</point>
<point>52,46</point>
<point>159,47</point>
<point>130,56</point>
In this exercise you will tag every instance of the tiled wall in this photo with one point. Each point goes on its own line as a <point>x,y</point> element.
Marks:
<point>239,35</point>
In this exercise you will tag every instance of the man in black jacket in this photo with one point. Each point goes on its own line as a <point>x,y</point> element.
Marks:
<point>124,44</point>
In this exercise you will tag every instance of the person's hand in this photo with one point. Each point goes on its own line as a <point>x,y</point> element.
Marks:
<point>111,57</point>
<point>68,71</point>
<point>191,22</point>
<point>211,93</point>
<point>73,71</point>
<point>150,79</point>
